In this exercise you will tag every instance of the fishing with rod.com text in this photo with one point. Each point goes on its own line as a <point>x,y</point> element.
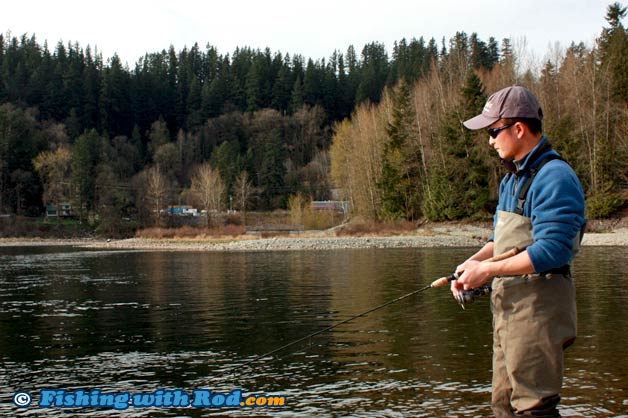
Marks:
<point>160,398</point>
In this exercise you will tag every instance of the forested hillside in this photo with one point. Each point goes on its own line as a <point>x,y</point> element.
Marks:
<point>410,157</point>
<point>251,128</point>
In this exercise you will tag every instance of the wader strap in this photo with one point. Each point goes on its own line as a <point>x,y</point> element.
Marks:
<point>521,199</point>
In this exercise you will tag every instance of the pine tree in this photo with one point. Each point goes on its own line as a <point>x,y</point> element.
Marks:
<point>84,158</point>
<point>21,139</point>
<point>253,86</point>
<point>216,92</point>
<point>458,186</point>
<point>282,87</point>
<point>296,97</point>
<point>115,103</point>
<point>194,102</point>
<point>157,137</point>
<point>399,180</point>
<point>3,94</point>
<point>311,83</point>
<point>614,49</point>
<point>373,73</point>
<point>91,80</point>
<point>270,177</point>
<point>228,161</point>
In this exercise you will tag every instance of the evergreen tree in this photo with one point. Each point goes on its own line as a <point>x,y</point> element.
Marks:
<point>473,95</point>
<point>311,83</point>
<point>21,139</point>
<point>240,66</point>
<point>254,86</point>
<point>168,111</point>
<point>296,97</point>
<point>353,78</point>
<point>228,161</point>
<point>374,73</point>
<point>399,181</point>
<point>480,54</point>
<point>3,94</point>
<point>216,92</point>
<point>184,76</point>
<point>415,67</point>
<point>91,80</point>
<point>271,171</point>
<point>115,104</point>
<point>73,80</point>
<point>73,124</point>
<point>432,53</point>
<point>282,87</point>
<point>399,62</point>
<point>344,99</point>
<point>458,186</point>
<point>614,49</point>
<point>84,159</point>
<point>507,52</point>
<point>493,51</point>
<point>157,137</point>
<point>55,98</point>
<point>328,90</point>
<point>194,110</point>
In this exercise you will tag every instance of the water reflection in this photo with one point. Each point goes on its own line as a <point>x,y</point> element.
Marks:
<point>139,321</point>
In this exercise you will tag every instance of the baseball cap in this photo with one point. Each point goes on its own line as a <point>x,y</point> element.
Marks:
<point>509,103</point>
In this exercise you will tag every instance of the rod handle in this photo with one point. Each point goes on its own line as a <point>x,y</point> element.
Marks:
<point>444,280</point>
<point>510,253</point>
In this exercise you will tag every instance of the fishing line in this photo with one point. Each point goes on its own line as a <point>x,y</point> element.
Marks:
<point>436,283</point>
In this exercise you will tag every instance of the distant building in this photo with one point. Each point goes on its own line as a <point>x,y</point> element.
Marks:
<point>330,205</point>
<point>182,211</point>
<point>64,212</point>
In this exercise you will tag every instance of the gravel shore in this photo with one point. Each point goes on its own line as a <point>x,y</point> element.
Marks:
<point>437,236</point>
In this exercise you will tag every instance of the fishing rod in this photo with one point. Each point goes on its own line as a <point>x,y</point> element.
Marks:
<point>462,297</point>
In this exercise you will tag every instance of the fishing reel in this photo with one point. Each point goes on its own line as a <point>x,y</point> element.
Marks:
<point>463,296</point>
<point>468,296</point>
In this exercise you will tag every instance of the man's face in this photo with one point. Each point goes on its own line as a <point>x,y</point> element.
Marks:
<point>504,138</point>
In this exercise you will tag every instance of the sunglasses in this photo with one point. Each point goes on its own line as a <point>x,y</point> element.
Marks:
<point>493,132</point>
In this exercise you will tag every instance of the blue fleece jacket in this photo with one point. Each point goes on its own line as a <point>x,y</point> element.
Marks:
<point>554,204</point>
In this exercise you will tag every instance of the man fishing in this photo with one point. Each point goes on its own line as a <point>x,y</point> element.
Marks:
<point>540,212</point>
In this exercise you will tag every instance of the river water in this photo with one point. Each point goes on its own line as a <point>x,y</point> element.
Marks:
<point>142,322</point>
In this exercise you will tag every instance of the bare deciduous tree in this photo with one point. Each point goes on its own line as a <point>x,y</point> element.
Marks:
<point>209,187</point>
<point>355,156</point>
<point>243,190</point>
<point>155,189</point>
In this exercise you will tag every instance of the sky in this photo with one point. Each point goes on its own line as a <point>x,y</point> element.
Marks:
<point>313,29</point>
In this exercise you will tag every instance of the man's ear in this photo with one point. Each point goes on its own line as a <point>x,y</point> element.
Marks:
<point>520,129</point>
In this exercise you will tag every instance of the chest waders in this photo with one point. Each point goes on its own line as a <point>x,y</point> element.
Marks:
<point>534,319</point>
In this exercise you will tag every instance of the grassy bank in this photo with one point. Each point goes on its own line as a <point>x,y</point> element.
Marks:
<point>261,225</point>
<point>24,227</point>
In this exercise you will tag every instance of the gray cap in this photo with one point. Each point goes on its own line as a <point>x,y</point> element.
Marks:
<point>509,103</point>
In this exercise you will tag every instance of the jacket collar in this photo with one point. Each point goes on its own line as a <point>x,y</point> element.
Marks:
<point>521,166</point>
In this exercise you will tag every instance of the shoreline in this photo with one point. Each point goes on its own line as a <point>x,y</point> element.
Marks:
<point>433,237</point>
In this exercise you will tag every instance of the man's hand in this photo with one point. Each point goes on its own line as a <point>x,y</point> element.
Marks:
<point>473,274</point>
